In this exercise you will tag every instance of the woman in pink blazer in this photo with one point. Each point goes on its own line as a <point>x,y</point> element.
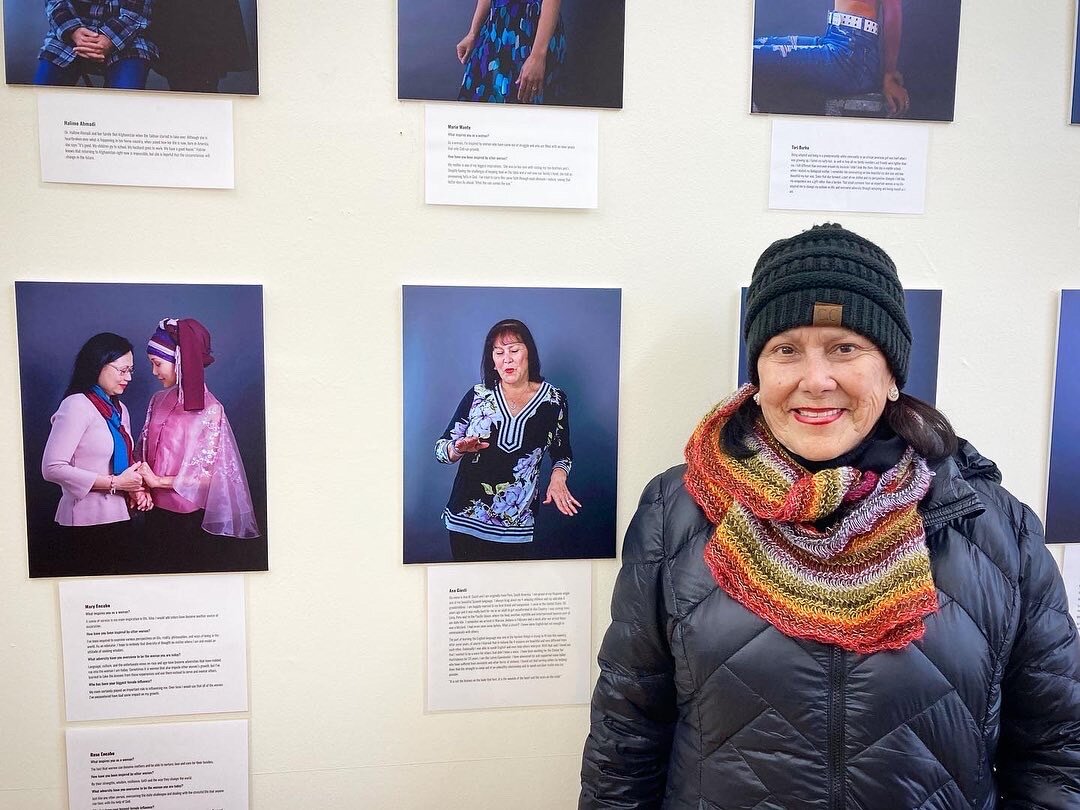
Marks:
<point>89,452</point>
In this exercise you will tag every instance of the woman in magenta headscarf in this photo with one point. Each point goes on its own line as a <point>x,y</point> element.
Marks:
<point>190,459</point>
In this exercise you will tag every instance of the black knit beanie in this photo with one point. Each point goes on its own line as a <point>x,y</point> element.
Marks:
<point>828,276</point>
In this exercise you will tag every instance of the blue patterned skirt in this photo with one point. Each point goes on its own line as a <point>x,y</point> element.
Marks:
<point>504,42</point>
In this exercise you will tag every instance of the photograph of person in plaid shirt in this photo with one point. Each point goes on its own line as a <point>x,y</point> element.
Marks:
<point>204,46</point>
<point>94,37</point>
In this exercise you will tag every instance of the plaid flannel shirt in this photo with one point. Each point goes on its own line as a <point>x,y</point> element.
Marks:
<point>122,21</point>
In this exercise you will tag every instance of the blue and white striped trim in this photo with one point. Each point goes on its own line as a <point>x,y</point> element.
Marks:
<point>512,433</point>
<point>485,531</point>
<point>564,465</point>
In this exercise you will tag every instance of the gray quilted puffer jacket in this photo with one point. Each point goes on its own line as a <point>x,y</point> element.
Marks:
<point>702,705</point>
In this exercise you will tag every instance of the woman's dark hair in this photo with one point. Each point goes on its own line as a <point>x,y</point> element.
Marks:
<point>918,423</point>
<point>99,350</point>
<point>510,326</point>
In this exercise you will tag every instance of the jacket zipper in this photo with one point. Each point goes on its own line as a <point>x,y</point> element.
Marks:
<point>836,731</point>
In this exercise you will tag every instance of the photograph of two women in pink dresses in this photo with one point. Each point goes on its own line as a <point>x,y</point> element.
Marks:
<point>144,435</point>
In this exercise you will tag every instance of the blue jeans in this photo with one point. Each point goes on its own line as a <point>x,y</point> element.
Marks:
<point>123,74</point>
<point>794,73</point>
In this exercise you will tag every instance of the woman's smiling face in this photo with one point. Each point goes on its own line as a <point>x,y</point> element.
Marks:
<point>511,359</point>
<point>162,370</point>
<point>823,389</point>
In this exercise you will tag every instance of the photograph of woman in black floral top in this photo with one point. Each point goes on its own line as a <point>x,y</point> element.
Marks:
<point>502,479</point>
<point>500,431</point>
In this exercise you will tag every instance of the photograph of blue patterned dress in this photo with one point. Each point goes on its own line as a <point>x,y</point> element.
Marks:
<point>502,46</point>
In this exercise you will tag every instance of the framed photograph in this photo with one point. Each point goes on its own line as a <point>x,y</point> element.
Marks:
<point>511,399</point>
<point>144,428</point>
<point>1075,117</point>
<point>195,46</point>
<point>1062,505</point>
<point>866,58</point>
<point>561,52</point>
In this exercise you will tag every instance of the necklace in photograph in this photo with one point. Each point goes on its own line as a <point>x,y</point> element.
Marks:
<point>516,404</point>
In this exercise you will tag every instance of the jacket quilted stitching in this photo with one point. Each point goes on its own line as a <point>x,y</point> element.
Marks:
<point>702,705</point>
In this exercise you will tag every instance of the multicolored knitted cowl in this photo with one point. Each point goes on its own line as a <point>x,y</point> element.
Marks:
<point>862,583</point>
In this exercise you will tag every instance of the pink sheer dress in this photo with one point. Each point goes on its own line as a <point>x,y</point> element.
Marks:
<point>197,448</point>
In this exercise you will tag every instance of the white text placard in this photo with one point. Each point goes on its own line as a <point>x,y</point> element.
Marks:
<point>119,139</point>
<point>509,634</point>
<point>176,766</point>
<point>848,166</point>
<point>152,646</point>
<point>1070,572</point>
<point>482,154</point>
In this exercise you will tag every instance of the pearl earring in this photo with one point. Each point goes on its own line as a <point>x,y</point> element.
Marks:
<point>894,394</point>
<point>757,399</point>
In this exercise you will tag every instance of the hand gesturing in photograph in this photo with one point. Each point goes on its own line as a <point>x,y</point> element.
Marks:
<point>465,47</point>
<point>470,444</point>
<point>896,95</point>
<point>140,500</point>
<point>129,480</point>
<point>154,481</point>
<point>531,81</point>
<point>558,494</point>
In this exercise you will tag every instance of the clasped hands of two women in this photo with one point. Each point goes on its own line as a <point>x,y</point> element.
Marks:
<point>137,481</point>
<point>557,492</point>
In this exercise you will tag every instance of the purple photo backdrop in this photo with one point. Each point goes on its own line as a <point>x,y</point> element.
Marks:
<point>577,336</point>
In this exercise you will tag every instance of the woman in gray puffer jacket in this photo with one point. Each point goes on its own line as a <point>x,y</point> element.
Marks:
<point>834,603</point>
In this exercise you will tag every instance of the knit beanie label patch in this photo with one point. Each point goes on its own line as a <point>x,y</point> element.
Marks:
<point>828,314</point>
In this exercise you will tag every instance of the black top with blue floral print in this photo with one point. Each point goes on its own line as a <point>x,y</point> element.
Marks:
<point>496,491</point>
